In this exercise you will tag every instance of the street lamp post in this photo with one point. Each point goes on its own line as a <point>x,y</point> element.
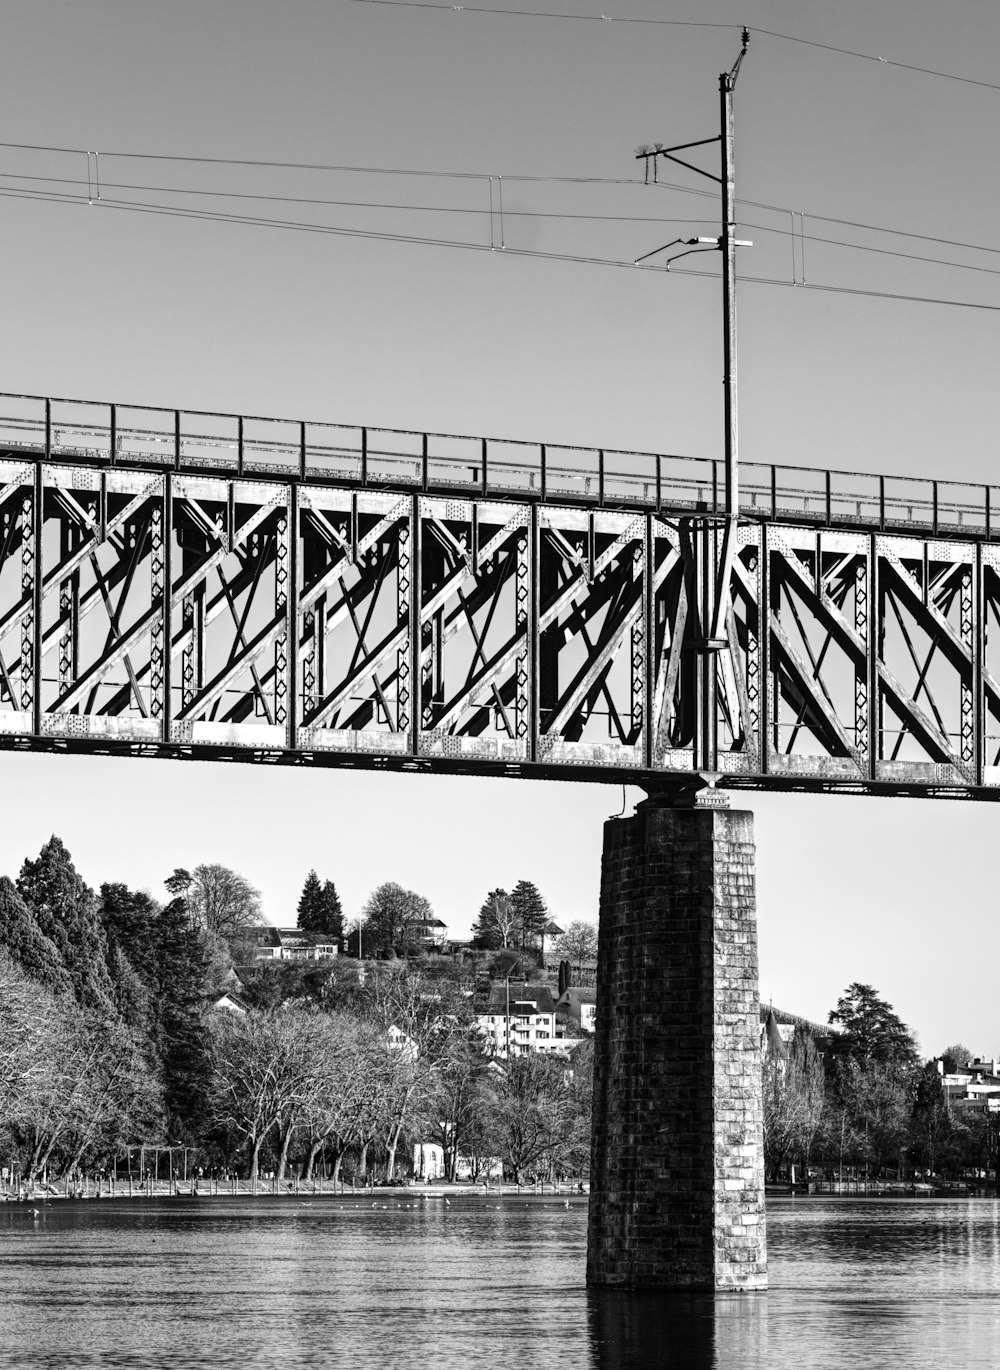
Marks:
<point>514,967</point>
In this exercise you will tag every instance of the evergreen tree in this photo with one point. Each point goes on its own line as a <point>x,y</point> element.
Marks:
<point>130,996</point>
<point>871,1030</point>
<point>23,940</point>
<point>332,914</point>
<point>309,903</point>
<point>185,974</point>
<point>531,912</point>
<point>66,912</point>
<point>129,919</point>
<point>320,909</point>
<point>179,882</point>
<point>930,1120</point>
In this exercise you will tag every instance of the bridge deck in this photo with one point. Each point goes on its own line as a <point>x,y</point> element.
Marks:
<point>140,437</point>
<point>226,587</point>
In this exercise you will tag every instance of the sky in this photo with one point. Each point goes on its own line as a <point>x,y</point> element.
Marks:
<point>109,303</point>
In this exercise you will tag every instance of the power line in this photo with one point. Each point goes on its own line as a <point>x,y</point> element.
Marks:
<point>459,175</point>
<point>530,214</point>
<point>318,166</point>
<point>219,216</point>
<point>680,23</point>
<point>434,209</point>
<point>348,204</point>
<point>137,207</point>
<point>474,175</point>
<point>867,247</point>
<point>823,218</point>
<point>885,61</point>
<point>871,294</point>
<point>271,198</point>
<point>876,228</point>
<point>549,14</point>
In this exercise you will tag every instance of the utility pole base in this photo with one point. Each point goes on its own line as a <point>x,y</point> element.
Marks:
<point>677,1173</point>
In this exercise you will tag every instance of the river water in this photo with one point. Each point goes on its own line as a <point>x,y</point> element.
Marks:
<point>425,1283</point>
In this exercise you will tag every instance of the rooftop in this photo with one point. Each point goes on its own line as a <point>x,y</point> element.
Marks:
<point>523,998</point>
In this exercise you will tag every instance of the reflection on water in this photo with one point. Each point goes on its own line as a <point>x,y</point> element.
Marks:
<point>638,1330</point>
<point>418,1282</point>
<point>678,1331</point>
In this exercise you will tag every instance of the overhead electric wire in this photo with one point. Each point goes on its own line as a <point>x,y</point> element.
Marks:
<point>223,216</point>
<point>873,57</point>
<point>825,218</point>
<point>530,214</point>
<point>462,175</point>
<point>138,207</point>
<point>682,23</point>
<point>868,247</point>
<point>539,214</point>
<point>551,14</point>
<point>876,228</point>
<point>278,165</point>
<point>346,204</point>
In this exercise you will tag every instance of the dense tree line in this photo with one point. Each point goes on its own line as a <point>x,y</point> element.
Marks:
<point>397,1059</point>
<point>104,1000</point>
<point>859,1100</point>
<point>110,1037</point>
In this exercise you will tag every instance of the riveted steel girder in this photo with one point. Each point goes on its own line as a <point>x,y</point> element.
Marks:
<point>186,611</point>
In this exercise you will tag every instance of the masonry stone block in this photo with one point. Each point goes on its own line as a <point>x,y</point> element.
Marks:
<point>677,1172</point>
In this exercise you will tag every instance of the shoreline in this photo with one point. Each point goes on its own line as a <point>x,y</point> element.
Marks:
<point>267,1189</point>
<point>415,1196</point>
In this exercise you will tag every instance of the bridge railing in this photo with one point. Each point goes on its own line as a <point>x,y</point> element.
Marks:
<point>230,444</point>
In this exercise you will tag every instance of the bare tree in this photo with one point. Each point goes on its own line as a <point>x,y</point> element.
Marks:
<point>496,921</point>
<point>343,1108</point>
<point>264,1075</point>
<point>451,1101</point>
<point>424,1023</point>
<point>579,942</point>
<point>120,1099</point>
<point>532,1112</point>
<point>393,920</point>
<point>223,901</point>
<point>26,1013</point>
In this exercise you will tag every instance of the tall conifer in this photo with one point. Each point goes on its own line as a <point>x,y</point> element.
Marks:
<point>309,903</point>
<point>65,910</point>
<point>531,911</point>
<point>24,941</point>
<point>319,907</point>
<point>331,912</point>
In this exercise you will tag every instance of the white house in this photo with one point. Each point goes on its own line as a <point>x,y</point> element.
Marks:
<point>974,1086</point>
<point>293,944</point>
<point>428,1164</point>
<point>519,1018</point>
<point>577,1008</point>
<point>229,1002</point>
<point>401,1043</point>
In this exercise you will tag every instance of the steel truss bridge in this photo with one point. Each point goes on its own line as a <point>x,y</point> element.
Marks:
<point>212,586</point>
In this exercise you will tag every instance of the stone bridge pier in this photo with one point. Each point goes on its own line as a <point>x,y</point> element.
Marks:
<point>677,1173</point>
